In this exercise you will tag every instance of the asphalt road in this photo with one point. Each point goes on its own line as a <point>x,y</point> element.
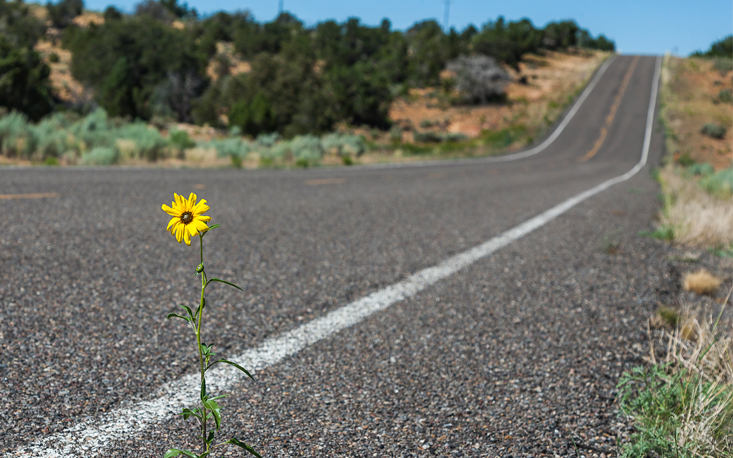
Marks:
<point>515,355</point>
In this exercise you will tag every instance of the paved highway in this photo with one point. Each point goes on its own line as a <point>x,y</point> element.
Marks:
<point>509,349</point>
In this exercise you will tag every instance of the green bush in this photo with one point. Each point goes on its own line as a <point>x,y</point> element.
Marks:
<point>700,168</point>
<point>231,147</point>
<point>52,137</point>
<point>713,130</point>
<point>427,137</point>
<point>101,156</point>
<point>725,96</point>
<point>180,141</point>
<point>306,150</point>
<point>149,144</point>
<point>16,135</point>
<point>685,160</point>
<point>720,183</point>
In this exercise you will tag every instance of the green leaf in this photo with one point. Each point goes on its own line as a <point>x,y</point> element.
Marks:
<point>211,437</point>
<point>232,363</point>
<point>238,443</point>
<point>201,306</point>
<point>187,309</point>
<point>186,412</point>
<point>175,452</point>
<point>175,315</point>
<point>225,282</point>
<point>203,389</point>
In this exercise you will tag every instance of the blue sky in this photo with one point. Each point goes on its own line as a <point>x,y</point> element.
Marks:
<point>637,26</point>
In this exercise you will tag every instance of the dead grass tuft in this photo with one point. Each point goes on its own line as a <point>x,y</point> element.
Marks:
<point>698,217</point>
<point>701,282</point>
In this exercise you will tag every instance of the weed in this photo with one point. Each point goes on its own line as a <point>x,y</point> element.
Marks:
<point>346,160</point>
<point>669,316</point>
<point>51,161</point>
<point>722,252</point>
<point>682,406</point>
<point>661,233</point>
<point>611,244</point>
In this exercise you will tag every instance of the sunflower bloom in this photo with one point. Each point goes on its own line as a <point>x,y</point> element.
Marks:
<point>188,219</point>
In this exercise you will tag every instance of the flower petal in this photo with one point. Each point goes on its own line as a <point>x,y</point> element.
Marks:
<point>172,222</point>
<point>187,237</point>
<point>200,225</point>
<point>179,233</point>
<point>203,218</point>
<point>171,211</point>
<point>191,202</point>
<point>191,228</point>
<point>200,207</point>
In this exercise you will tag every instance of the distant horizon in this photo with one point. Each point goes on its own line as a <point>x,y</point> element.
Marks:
<point>651,27</point>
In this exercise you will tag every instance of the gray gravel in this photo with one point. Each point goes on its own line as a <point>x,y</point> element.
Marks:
<point>517,355</point>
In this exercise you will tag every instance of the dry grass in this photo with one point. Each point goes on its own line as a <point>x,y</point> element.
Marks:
<point>697,217</point>
<point>701,282</point>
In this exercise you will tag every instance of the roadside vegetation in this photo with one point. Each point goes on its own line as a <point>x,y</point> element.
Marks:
<point>681,402</point>
<point>228,76</point>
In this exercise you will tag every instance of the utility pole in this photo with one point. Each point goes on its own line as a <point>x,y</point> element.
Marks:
<point>447,15</point>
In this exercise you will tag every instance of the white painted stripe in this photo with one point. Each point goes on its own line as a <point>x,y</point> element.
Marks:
<point>92,437</point>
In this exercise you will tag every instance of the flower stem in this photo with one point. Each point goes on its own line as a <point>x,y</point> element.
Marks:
<point>202,362</point>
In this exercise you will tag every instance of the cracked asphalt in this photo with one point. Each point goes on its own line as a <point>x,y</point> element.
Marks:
<point>516,355</point>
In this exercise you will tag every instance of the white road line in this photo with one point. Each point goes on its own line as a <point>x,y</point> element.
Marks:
<point>92,437</point>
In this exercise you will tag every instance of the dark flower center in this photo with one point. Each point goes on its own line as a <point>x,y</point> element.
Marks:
<point>186,217</point>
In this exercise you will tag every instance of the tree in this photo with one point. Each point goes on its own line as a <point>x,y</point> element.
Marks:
<point>63,13</point>
<point>24,84</point>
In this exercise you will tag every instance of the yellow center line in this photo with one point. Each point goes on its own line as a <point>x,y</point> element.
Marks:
<point>28,196</point>
<point>324,181</point>
<point>612,113</point>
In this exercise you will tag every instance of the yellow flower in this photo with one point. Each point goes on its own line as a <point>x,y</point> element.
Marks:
<point>188,219</point>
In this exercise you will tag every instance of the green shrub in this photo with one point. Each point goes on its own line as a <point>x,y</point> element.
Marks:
<point>685,160</point>
<point>180,141</point>
<point>427,137</point>
<point>307,150</point>
<point>700,168</point>
<point>268,140</point>
<point>723,64</point>
<point>395,133</point>
<point>149,144</point>
<point>720,183</point>
<point>16,135</point>
<point>51,135</point>
<point>713,130</point>
<point>101,156</point>
<point>53,58</point>
<point>231,147</point>
<point>725,96</point>
<point>427,123</point>
<point>456,137</point>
